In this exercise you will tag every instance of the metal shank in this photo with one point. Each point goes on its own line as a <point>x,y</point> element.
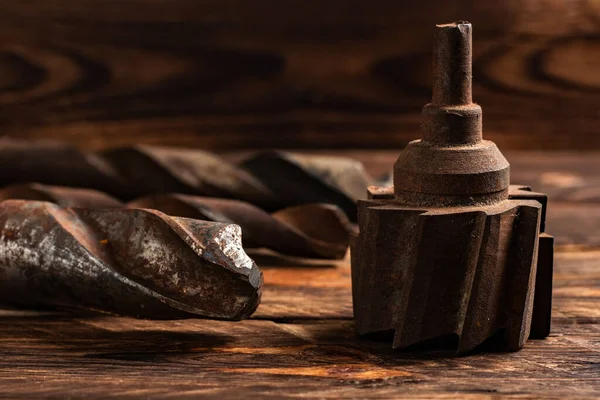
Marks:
<point>452,55</point>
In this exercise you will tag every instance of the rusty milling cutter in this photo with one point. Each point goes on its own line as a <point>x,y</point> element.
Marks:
<point>452,256</point>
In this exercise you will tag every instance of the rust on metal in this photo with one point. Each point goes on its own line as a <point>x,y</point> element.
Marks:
<point>154,169</point>
<point>133,262</point>
<point>61,195</point>
<point>269,180</point>
<point>302,179</point>
<point>309,230</point>
<point>452,255</point>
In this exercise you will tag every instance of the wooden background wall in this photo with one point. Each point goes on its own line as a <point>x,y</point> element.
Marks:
<point>290,73</point>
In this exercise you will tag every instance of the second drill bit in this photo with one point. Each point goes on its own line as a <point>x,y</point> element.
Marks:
<point>309,230</point>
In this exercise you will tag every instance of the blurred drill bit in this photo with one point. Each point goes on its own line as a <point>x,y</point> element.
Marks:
<point>60,195</point>
<point>152,169</point>
<point>56,163</point>
<point>311,230</point>
<point>269,180</point>
<point>302,178</point>
<point>134,262</point>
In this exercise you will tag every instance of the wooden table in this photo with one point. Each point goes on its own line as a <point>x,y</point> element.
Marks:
<point>301,343</point>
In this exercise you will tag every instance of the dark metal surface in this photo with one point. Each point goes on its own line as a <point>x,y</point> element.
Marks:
<point>133,262</point>
<point>309,230</point>
<point>542,306</point>
<point>451,165</point>
<point>270,180</point>
<point>151,169</point>
<point>302,179</point>
<point>451,255</point>
<point>60,195</point>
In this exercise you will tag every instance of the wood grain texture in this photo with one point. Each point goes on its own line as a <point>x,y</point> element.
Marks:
<point>326,291</point>
<point>338,73</point>
<point>282,354</point>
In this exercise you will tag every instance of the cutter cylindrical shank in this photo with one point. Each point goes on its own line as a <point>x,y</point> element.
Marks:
<point>452,66</point>
<point>270,180</point>
<point>452,119</point>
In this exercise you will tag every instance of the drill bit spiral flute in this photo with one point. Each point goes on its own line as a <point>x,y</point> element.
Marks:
<point>133,262</point>
<point>450,254</point>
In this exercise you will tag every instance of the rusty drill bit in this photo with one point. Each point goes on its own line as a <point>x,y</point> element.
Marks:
<point>310,230</point>
<point>133,262</point>
<point>302,179</point>
<point>270,180</point>
<point>450,256</point>
<point>56,163</point>
<point>60,195</point>
<point>152,169</point>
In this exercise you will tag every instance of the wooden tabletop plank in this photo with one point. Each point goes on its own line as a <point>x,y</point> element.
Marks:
<point>119,356</point>
<point>309,341</point>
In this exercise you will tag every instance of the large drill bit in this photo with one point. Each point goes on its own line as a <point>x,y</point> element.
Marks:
<point>269,180</point>
<point>133,262</point>
<point>310,230</point>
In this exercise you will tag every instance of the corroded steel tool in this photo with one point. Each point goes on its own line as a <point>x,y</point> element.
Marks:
<point>310,230</point>
<point>133,262</point>
<point>60,195</point>
<point>303,179</point>
<point>449,255</point>
<point>269,180</point>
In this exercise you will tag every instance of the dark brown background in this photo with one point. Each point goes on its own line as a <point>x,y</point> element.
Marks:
<point>293,73</point>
